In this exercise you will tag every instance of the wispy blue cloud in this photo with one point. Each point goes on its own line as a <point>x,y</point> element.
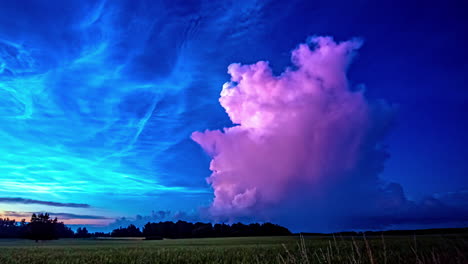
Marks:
<point>100,98</point>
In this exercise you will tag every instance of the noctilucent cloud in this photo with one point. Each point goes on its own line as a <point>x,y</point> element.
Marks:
<point>315,115</point>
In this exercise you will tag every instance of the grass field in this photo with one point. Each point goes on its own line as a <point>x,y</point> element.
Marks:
<point>409,249</point>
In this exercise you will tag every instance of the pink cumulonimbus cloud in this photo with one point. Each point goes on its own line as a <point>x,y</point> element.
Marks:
<point>305,130</point>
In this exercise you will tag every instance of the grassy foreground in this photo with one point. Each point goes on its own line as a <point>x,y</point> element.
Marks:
<point>420,249</point>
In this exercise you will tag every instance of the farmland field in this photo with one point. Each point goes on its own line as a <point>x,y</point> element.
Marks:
<point>392,249</point>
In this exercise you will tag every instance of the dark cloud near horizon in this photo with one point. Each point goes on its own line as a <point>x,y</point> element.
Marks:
<point>49,203</point>
<point>396,211</point>
<point>60,216</point>
<point>157,216</point>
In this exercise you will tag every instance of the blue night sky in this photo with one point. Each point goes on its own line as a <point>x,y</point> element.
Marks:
<point>99,99</point>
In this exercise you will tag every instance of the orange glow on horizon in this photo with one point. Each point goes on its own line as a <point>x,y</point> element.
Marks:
<point>71,221</point>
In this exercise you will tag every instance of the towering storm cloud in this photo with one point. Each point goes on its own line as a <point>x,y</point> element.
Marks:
<point>300,139</point>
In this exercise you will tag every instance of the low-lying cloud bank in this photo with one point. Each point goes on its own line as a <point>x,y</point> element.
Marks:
<point>49,203</point>
<point>307,148</point>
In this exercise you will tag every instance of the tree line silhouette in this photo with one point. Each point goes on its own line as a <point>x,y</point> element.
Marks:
<point>40,227</point>
<point>182,229</point>
<point>43,227</point>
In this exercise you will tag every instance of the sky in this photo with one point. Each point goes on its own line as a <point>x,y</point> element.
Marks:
<point>317,115</point>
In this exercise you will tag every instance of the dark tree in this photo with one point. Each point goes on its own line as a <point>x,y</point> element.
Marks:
<point>42,227</point>
<point>221,230</point>
<point>12,229</point>
<point>130,231</point>
<point>82,233</point>
<point>202,230</point>
<point>183,229</point>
